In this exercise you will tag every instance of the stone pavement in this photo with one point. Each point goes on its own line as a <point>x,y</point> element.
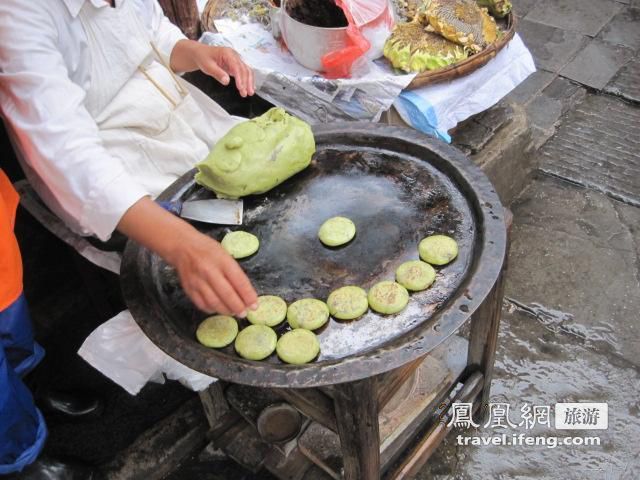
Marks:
<point>571,329</point>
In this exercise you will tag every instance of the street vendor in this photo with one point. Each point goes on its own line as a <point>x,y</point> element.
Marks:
<point>103,124</point>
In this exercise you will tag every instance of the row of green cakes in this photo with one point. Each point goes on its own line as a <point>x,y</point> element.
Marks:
<point>300,345</point>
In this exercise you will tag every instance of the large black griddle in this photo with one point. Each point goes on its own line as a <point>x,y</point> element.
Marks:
<point>398,186</point>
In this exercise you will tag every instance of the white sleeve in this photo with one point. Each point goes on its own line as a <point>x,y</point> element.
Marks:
<point>57,136</point>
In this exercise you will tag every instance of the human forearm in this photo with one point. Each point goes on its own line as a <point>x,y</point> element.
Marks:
<point>210,277</point>
<point>183,56</point>
<point>147,223</point>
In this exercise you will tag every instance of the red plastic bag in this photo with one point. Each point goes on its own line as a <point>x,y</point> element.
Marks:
<point>365,18</point>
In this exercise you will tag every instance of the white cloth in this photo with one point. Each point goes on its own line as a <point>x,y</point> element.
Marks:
<point>121,352</point>
<point>436,109</point>
<point>45,71</point>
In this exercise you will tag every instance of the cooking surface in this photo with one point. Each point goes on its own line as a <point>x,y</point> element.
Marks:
<point>394,201</point>
<point>395,195</point>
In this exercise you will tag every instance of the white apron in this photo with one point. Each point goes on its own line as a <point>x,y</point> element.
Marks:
<point>159,126</point>
<point>147,116</point>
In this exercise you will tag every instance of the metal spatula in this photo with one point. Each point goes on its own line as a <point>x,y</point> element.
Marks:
<point>221,212</point>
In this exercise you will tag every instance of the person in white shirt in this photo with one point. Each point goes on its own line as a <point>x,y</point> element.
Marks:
<point>103,127</point>
<point>102,124</point>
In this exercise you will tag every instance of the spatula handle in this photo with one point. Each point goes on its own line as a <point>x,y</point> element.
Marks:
<point>174,207</point>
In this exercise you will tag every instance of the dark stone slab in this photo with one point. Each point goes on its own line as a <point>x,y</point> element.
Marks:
<point>477,131</point>
<point>626,83</point>
<point>598,147</point>
<point>545,110</point>
<point>597,64</point>
<point>623,29</point>
<point>531,87</point>
<point>586,17</point>
<point>552,48</point>
<point>522,7</point>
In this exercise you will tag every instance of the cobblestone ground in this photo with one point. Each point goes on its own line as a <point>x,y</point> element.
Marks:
<point>570,329</point>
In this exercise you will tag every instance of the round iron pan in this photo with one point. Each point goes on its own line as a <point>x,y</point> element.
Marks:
<point>398,186</point>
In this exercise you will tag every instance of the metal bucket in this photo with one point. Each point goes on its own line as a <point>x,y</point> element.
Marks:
<point>308,44</point>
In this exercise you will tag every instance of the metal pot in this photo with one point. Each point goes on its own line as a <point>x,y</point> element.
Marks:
<point>308,44</point>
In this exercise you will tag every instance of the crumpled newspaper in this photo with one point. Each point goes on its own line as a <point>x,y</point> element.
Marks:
<point>281,80</point>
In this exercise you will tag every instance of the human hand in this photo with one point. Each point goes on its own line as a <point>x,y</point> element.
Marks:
<point>212,278</point>
<point>209,276</point>
<point>222,62</point>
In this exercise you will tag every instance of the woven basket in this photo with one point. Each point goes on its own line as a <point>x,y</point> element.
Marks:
<point>474,62</point>
<point>209,15</point>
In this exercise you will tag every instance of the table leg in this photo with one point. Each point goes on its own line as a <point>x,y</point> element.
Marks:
<point>356,407</point>
<point>485,324</point>
<point>214,404</point>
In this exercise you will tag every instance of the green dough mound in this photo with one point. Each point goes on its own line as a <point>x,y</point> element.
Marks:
<point>337,231</point>
<point>438,249</point>
<point>217,331</point>
<point>271,311</point>
<point>298,347</point>
<point>388,297</point>
<point>240,244</point>
<point>308,313</point>
<point>256,342</point>
<point>348,303</point>
<point>415,275</point>
<point>257,155</point>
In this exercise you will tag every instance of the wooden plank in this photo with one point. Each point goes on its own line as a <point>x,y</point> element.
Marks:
<point>242,443</point>
<point>399,424</point>
<point>214,404</point>
<point>439,429</point>
<point>293,466</point>
<point>313,403</point>
<point>404,416</point>
<point>356,406</point>
<point>389,383</point>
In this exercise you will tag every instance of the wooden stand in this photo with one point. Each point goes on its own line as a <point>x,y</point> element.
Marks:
<point>352,411</point>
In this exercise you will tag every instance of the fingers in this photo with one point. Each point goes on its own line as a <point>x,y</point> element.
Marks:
<point>252,82</point>
<point>223,62</point>
<point>213,279</point>
<point>238,71</point>
<point>213,69</point>
<point>241,72</point>
<point>207,301</point>
<point>230,297</point>
<point>241,284</point>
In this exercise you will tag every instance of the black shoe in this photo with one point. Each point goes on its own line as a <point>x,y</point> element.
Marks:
<point>49,469</point>
<point>71,404</point>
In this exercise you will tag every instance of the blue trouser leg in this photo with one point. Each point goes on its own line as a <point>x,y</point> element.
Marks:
<point>22,427</point>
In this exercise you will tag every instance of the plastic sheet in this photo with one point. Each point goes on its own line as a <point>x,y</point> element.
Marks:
<point>122,352</point>
<point>368,21</point>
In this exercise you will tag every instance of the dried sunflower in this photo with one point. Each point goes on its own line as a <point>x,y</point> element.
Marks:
<point>414,49</point>
<point>461,21</point>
